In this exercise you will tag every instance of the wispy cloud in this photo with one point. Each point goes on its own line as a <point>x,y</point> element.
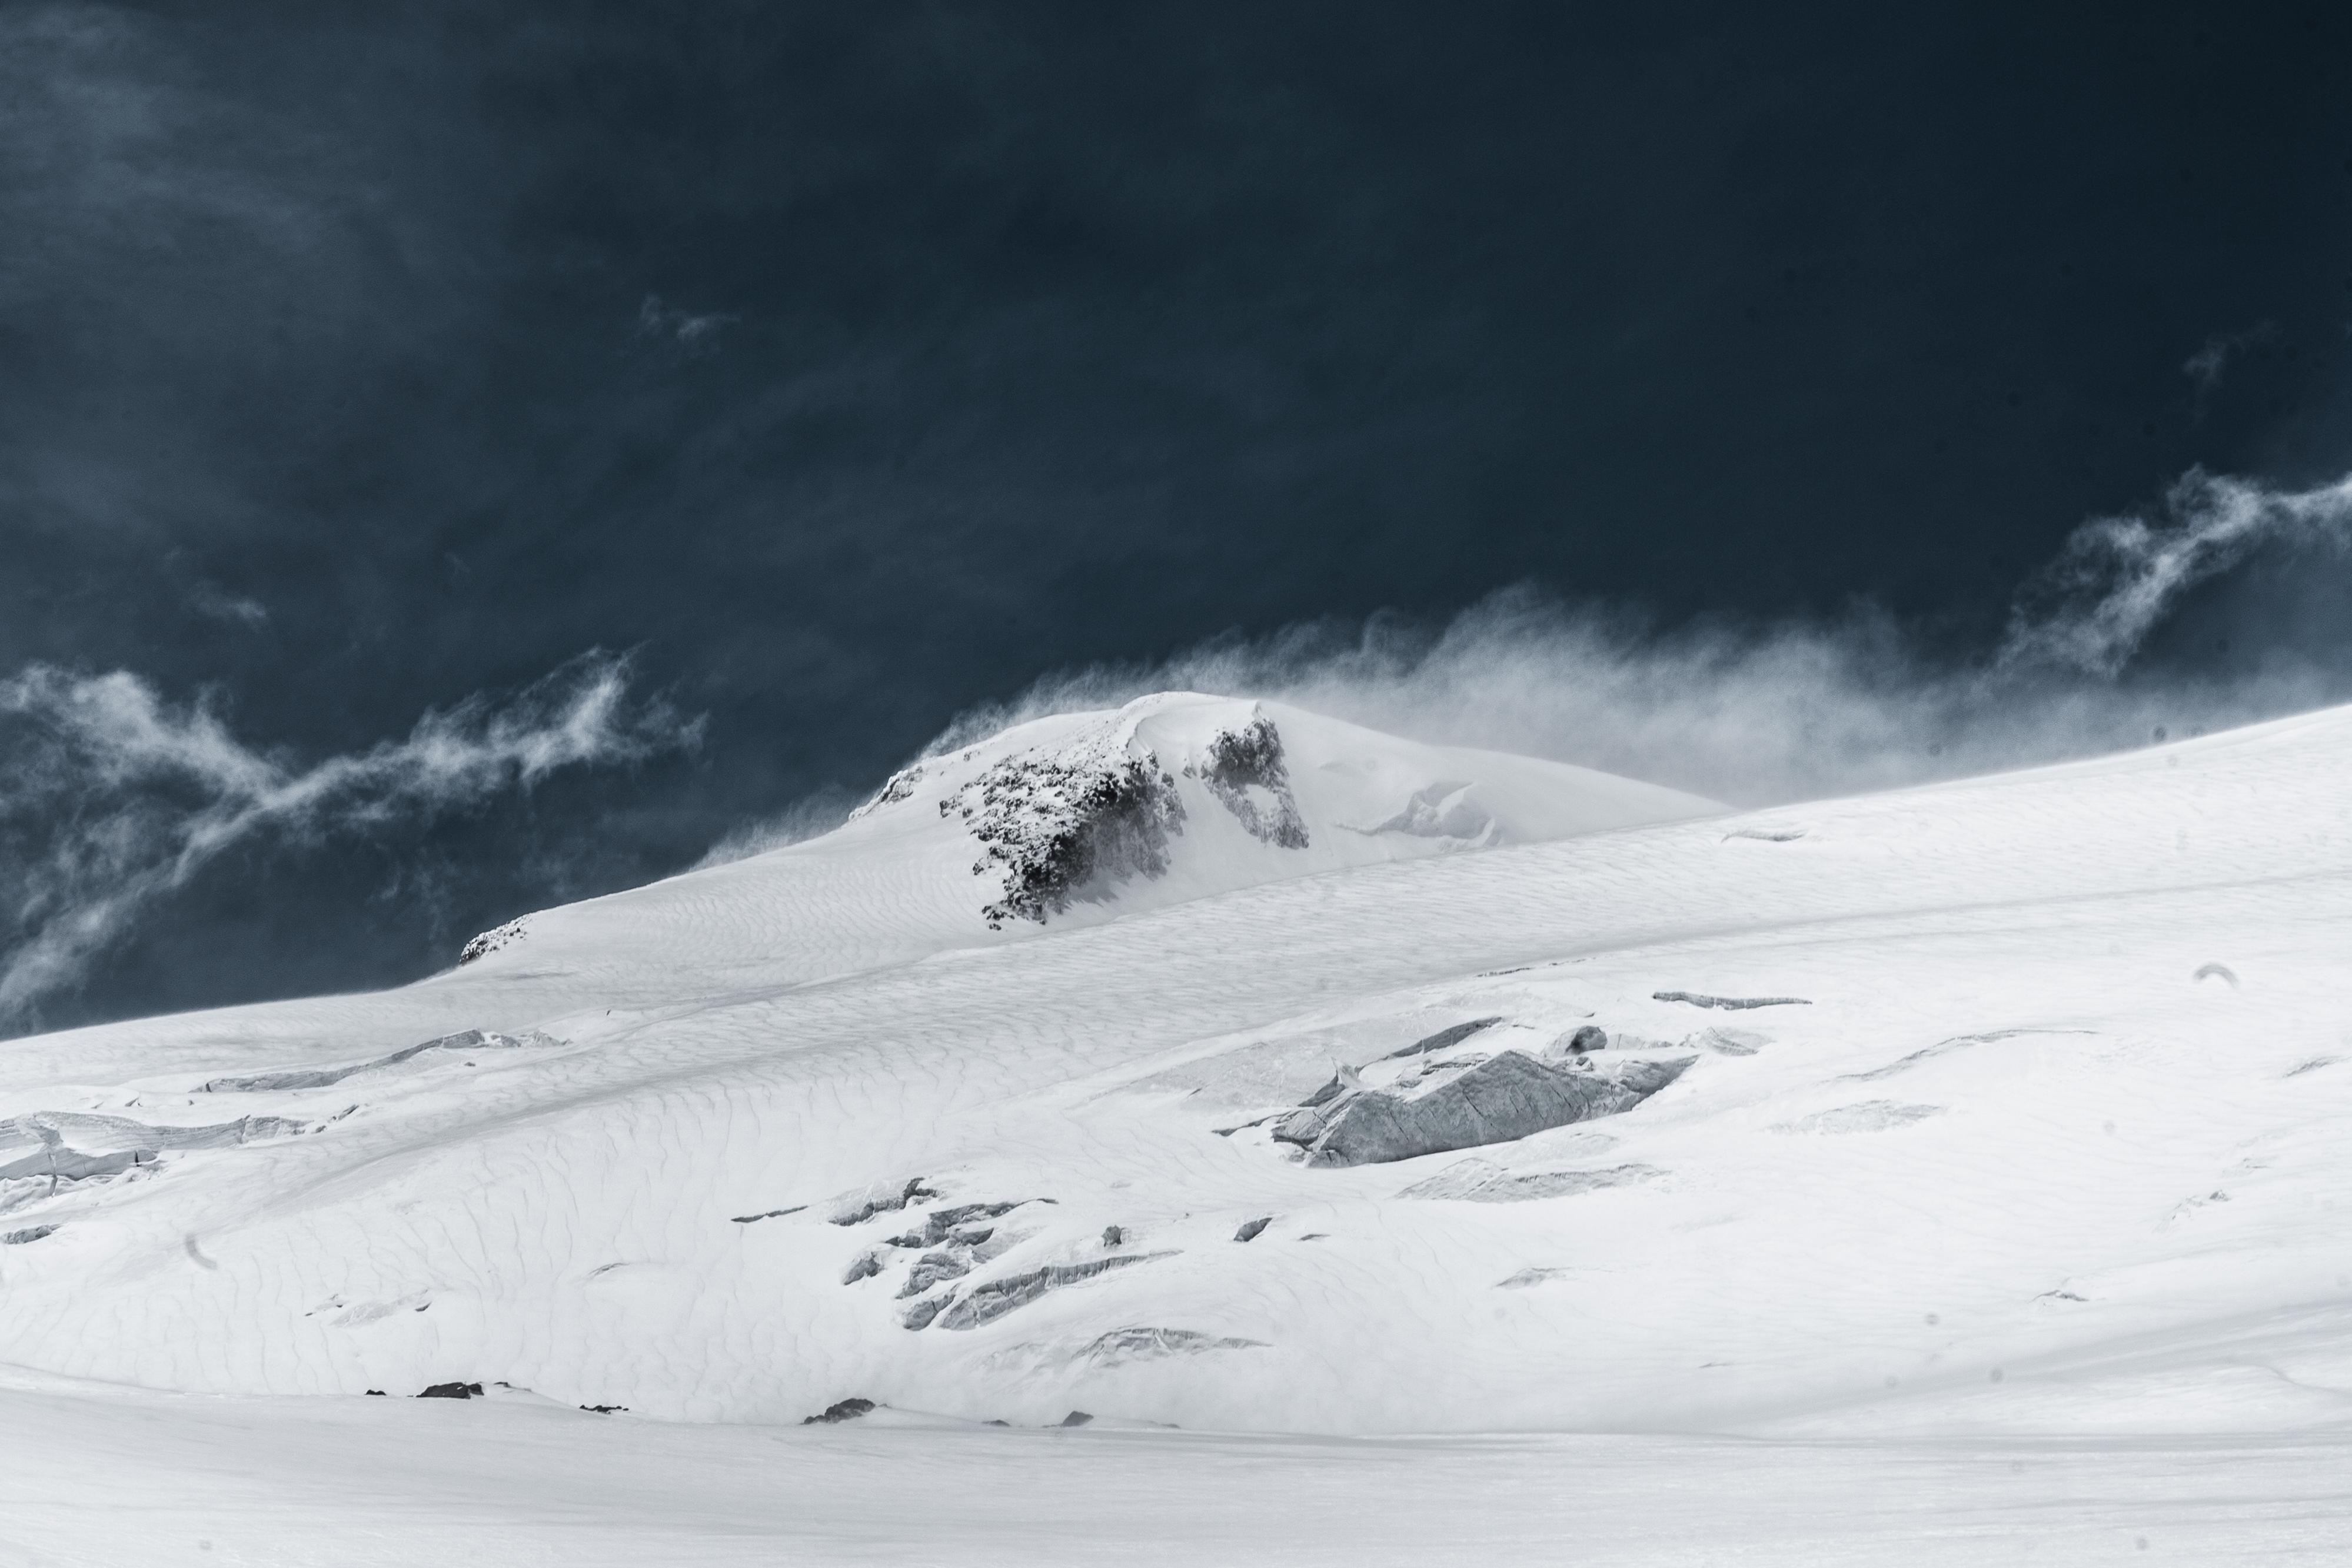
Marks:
<point>657,320</point>
<point>215,604</point>
<point>112,797</point>
<point>2117,578</point>
<point>1796,709</point>
<point>2214,356</point>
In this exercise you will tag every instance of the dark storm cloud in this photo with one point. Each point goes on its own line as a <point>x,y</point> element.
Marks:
<point>859,362</point>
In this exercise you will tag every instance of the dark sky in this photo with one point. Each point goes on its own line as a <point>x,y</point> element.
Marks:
<point>855,363</point>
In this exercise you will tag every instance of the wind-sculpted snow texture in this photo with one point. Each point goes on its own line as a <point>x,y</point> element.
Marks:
<point>762,1116</point>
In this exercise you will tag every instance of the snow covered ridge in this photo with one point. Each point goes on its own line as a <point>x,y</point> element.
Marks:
<point>1079,808</point>
<point>2015,1105</point>
<point>1086,817</point>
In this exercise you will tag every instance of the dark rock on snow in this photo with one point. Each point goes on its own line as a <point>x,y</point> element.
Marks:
<point>1252,756</point>
<point>1121,1345</point>
<point>1065,826</point>
<point>937,1226</point>
<point>880,1199</point>
<point>920,1315</point>
<point>1251,1228</point>
<point>932,1269</point>
<point>452,1391</point>
<point>1508,1096</point>
<point>490,941</point>
<point>842,1410</point>
<point>992,1301</point>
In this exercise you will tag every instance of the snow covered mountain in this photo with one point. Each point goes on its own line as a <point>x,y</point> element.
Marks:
<point>1075,820</point>
<point>1164,1065</point>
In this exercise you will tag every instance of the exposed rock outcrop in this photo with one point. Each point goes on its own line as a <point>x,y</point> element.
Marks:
<point>490,941</point>
<point>896,788</point>
<point>1246,773</point>
<point>1506,1097</point>
<point>1444,809</point>
<point>1072,824</point>
<point>839,1411</point>
<point>1122,1345</point>
<point>987,1302</point>
<point>858,1207</point>
<point>933,1269</point>
<point>1700,999</point>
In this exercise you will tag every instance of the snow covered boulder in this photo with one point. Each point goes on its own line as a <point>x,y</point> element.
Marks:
<point>1508,1096</point>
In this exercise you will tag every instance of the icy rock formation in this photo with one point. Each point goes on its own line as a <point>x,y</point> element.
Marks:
<point>110,1135</point>
<point>490,941</point>
<point>898,787</point>
<point>992,1301</point>
<point>1246,773</point>
<point>856,1208</point>
<point>1508,1096</point>
<point>839,1411</point>
<point>1120,1346</point>
<point>1736,1004</point>
<point>1069,824</point>
<point>111,1146</point>
<point>1441,811</point>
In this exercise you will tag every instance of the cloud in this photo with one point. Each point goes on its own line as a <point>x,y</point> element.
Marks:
<point>112,797</point>
<point>656,319</point>
<point>2094,606</point>
<point>213,605</point>
<point>2205,366</point>
<point>1762,713</point>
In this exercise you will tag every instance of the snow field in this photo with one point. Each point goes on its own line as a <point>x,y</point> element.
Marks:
<point>2033,1149</point>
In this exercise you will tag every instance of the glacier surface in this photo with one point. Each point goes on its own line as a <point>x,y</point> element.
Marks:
<point>1965,1214</point>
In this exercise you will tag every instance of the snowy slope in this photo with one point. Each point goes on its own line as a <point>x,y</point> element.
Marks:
<point>1075,819</point>
<point>2037,1123</point>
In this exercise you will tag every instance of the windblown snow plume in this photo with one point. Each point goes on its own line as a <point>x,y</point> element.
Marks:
<point>111,796</point>
<point>2117,578</point>
<point>1799,709</point>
